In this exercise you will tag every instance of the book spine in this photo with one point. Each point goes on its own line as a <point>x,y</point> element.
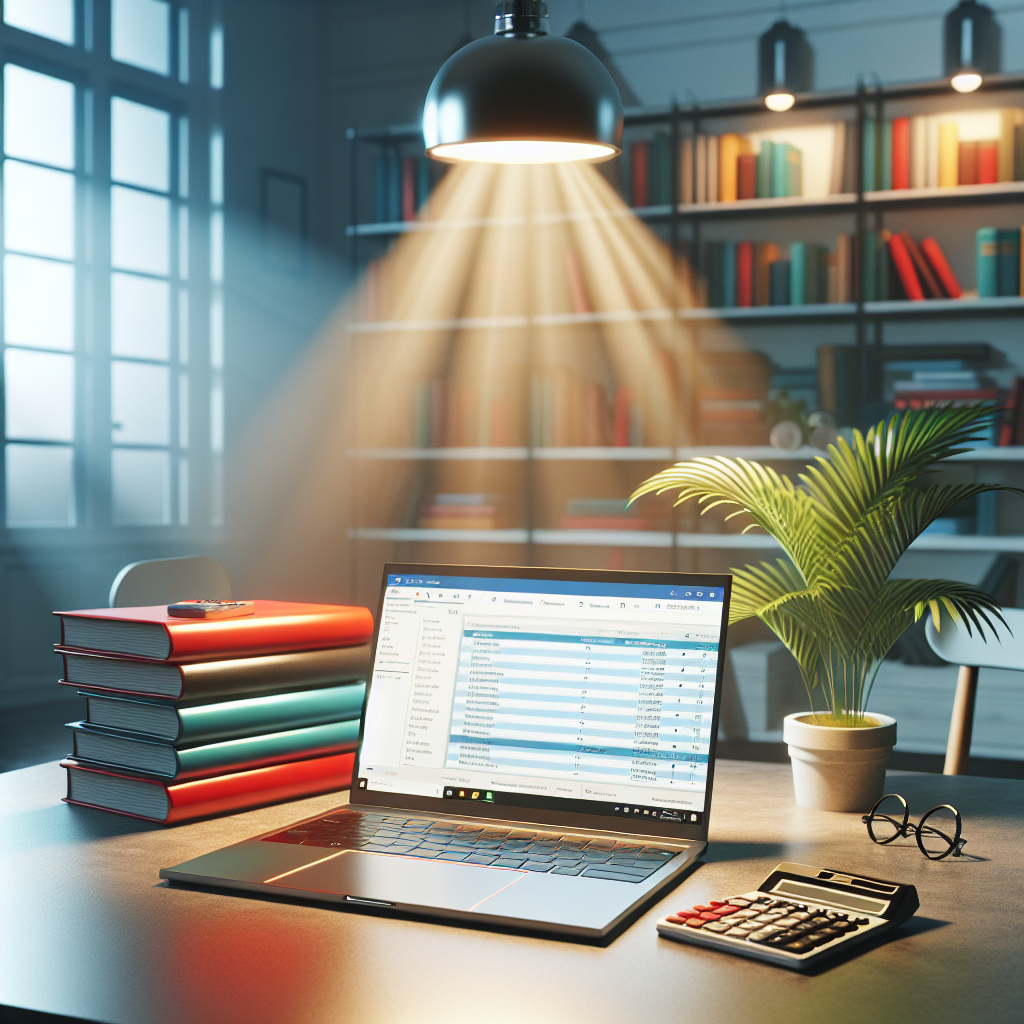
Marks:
<point>765,161</point>
<point>987,242</point>
<point>844,266</point>
<point>778,283</point>
<point>837,183</point>
<point>937,258</point>
<point>918,152</point>
<point>422,181</point>
<point>780,169</point>
<point>686,171</point>
<point>728,273</point>
<point>949,155</point>
<point>701,163</point>
<point>746,176</point>
<point>713,165</point>
<point>967,163</point>
<point>744,273</point>
<point>623,401</point>
<point>869,155</point>
<point>988,162</point>
<point>924,272</point>
<point>798,274</point>
<point>728,160</point>
<point>901,152</point>
<point>1008,269</point>
<point>1004,146</point>
<point>885,286</point>
<point>885,161</point>
<point>905,268</point>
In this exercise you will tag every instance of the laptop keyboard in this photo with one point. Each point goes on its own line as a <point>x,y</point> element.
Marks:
<point>475,844</point>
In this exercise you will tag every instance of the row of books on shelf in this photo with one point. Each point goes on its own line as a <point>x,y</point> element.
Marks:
<point>975,148</point>
<point>402,184</point>
<point>189,718</point>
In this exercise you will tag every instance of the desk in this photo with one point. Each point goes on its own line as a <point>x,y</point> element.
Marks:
<point>87,929</point>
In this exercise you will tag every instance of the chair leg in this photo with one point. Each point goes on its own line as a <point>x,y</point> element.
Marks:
<point>958,746</point>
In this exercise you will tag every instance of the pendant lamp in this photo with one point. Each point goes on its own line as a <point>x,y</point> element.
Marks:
<point>783,65</point>
<point>522,96</point>
<point>971,45</point>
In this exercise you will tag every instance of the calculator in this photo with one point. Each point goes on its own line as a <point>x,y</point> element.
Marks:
<point>798,916</point>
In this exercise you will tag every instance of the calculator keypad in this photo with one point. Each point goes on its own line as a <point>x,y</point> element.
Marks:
<point>794,927</point>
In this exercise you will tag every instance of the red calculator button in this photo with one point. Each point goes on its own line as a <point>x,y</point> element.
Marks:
<point>717,903</point>
<point>695,922</point>
<point>708,916</point>
<point>725,911</point>
<point>686,913</point>
<point>675,919</point>
<point>700,908</point>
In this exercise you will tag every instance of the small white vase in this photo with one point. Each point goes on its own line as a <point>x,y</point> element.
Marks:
<point>838,769</point>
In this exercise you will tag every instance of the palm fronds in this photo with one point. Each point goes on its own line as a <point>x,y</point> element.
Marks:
<point>843,527</point>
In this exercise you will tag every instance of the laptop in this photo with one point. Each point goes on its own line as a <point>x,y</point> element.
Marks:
<point>536,751</point>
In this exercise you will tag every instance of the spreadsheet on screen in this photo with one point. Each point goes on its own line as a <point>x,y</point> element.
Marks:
<point>589,691</point>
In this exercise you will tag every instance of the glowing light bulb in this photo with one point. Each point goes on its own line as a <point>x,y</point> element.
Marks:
<point>779,101</point>
<point>966,81</point>
<point>522,151</point>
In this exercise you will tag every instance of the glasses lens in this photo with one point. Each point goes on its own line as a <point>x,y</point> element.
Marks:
<point>887,819</point>
<point>938,832</point>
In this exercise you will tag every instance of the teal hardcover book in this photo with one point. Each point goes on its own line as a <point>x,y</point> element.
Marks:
<point>780,170</point>
<point>886,161</point>
<point>798,273</point>
<point>988,262</point>
<point>765,160</point>
<point>230,719</point>
<point>728,273</point>
<point>868,151</point>
<point>1009,262</point>
<point>152,757</point>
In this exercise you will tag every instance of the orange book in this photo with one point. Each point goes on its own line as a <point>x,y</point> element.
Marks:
<point>765,254</point>
<point>949,137</point>
<point>730,148</point>
<point>167,802</point>
<point>905,268</point>
<point>937,258</point>
<point>746,176</point>
<point>901,152</point>
<point>275,626</point>
<point>967,170</point>
<point>988,162</point>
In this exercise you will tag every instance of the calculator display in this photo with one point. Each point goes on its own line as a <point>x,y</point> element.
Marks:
<point>836,899</point>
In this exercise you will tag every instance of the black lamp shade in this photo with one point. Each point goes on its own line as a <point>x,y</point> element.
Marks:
<point>972,39</point>
<point>784,60</point>
<point>523,87</point>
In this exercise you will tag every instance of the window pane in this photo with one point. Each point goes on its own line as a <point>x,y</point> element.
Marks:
<point>54,19</point>
<point>140,149</point>
<point>140,311</point>
<point>140,34</point>
<point>39,117</point>
<point>141,487</point>
<point>140,231</point>
<point>39,303</point>
<point>40,485</point>
<point>39,210</point>
<point>39,395</point>
<point>140,403</point>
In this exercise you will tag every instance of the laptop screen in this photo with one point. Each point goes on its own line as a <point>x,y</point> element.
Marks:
<point>582,692</point>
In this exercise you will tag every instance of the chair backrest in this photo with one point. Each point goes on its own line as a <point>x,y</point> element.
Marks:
<point>959,647</point>
<point>165,580</point>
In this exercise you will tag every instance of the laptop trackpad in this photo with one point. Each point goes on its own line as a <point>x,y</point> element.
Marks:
<point>400,880</point>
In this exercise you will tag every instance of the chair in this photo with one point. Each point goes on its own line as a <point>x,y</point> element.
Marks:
<point>971,652</point>
<point>165,580</point>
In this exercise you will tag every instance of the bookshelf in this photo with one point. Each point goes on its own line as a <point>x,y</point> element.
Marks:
<point>529,532</point>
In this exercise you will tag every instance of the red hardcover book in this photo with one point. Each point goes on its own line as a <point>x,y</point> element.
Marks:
<point>968,163</point>
<point>744,273</point>
<point>901,152</point>
<point>746,176</point>
<point>924,272</point>
<point>623,401</point>
<point>276,626</point>
<point>988,162</point>
<point>905,268</point>
<point>142,796</point>
<point>409,188</point>
<point>638,157</point>
<point>937,258</point>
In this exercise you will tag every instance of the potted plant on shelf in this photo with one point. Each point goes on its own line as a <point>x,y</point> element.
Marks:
<point>843,526</point>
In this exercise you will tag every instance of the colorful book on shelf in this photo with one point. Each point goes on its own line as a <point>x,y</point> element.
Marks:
<point>1008,269</point>
<point>937,258</point>
<point>275,627</point>
<point>885,155</point>
<point>159,800</point>
<point>988,162</point>
<point>998,262</point>
<point>948,155</point>
<point>929,283</point>
<point>869,155</point>
<point>744,273</point>
<point>967,164</point>
<point>765,162</point>
<point>778,283</point>
<point>900,153</point>
<point>746,176</point>
<point>170,760</point>
<point>207,681</point>
<point>905,268</point>
<point>224,720</point>
<point>765,254</point>
<point>787,166</point>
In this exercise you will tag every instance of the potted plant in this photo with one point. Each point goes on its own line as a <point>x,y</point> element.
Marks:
<point>843,526</point>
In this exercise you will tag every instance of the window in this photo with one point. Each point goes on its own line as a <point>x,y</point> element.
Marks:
<point>107,351</point>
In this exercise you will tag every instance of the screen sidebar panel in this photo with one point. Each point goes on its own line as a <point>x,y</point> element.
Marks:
<point>429,719</point>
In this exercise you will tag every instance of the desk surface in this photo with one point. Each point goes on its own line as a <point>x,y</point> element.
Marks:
<point>87,929</point>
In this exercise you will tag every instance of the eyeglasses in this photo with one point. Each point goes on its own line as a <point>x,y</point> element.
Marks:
<point>937,834</point>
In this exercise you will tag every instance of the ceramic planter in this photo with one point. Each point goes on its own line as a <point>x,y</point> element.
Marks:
<point>838,769</point>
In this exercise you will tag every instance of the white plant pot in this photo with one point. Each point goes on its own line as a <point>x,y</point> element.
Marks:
<point>838,769</point>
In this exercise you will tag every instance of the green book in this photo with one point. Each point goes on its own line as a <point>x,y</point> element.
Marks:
<point>885,167</point>
<point>798,274</point>
<point>1008,269</point>
<point>765,159</point>
<point>780,169</point>
<point>728,273</point>
<point>987,240</point>
<point>869,155</point>
<point>230,719</point>
<point>152,757</point>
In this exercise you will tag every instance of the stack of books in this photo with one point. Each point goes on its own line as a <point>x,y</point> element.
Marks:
<point>402,185</point>
<point>186,718</point>
<point>733,394</point>
<point>460,512</point>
